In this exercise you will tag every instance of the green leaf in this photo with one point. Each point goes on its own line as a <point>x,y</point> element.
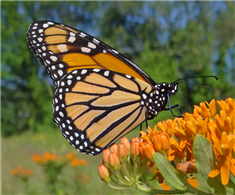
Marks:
<point>203,153</point>
<point>168,172</point>
<point>230,187</point>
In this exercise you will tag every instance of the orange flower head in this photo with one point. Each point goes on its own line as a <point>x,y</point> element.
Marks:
<point>75,162</point>
<point>114,161</point>
<point>83,162</point>
<point>187,167</point>
<point>157,142</point>
<point>113,148</point>
<point>165,141</point>
<point>19,171</point>
<point>105,157</point>
<point>147,150</point>
<point>223,140</point>
<point>135,139</point>
<point>36,158</point>
<point>122,152</point>
<point>134,150</point>
<point>125,141</point>
<point>104,173</point>
<point>70,155</point>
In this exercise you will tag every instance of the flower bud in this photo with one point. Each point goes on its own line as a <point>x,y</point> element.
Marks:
<point>122,152</point>
<point>147,150</point>
<point>113,148</point>
<point>165,141</point>
<point>134,150</point>
<point>157,141</point>
<point>114,161</point>
<point>161,141</point>
<point>135,139</point>
<point>126,142</point>
<point>187,167</point>
<point>105,157</point>
<point>104,173</point>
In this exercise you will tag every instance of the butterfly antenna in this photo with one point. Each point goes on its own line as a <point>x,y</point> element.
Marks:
<point>184,99</point>
<point>196,77</point>
<point>180,81</point>
<point>198,85</point>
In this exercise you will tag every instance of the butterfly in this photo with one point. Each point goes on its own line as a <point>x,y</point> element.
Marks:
<point>100,94</point>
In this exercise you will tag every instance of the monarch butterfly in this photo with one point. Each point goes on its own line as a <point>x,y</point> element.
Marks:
<point>100,94</point>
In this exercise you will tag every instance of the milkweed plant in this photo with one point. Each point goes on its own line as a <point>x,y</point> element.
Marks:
<point>194,154</point>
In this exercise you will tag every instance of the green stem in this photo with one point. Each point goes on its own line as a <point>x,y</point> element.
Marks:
<point>135,170</point>
<point>127,173</point>
<point>119,178</point>
<point>115,187</point>
<point>155,191</point>
<point>192,189</point>
<point>143,169</point>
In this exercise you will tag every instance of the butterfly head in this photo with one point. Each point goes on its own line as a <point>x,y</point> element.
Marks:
<point>159,97</point>
<point>172,88</point>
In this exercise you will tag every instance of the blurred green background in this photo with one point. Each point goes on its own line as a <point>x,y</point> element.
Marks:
<point>169,40</point>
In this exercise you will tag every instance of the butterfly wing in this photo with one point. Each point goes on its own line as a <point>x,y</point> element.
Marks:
<point>95,107</point>
<point>62,49</point>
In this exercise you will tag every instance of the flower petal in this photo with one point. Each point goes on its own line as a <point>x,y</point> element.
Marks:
<point>224,169</point>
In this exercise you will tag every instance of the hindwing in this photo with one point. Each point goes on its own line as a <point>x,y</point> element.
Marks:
<point>95,107</point>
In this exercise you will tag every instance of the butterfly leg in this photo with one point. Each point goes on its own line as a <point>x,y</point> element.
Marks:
<point>146,122</point>
<point>140,128</point>
<point>171,107</point>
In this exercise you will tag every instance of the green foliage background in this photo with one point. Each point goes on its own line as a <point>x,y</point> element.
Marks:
<point>169,40</point>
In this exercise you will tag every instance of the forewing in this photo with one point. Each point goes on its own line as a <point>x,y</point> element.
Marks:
<point>62,49</point>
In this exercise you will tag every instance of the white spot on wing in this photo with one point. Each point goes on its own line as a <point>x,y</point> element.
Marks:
<point>144,96</point>
<point>115,51</point>
<point>71,39</point>
<point>45,25</point>
<point>84,71</point>
<point>54,58</point>
<point>61,114</point>
<point>95,40</point>
<point>60,72</point>
<point>96,70</point>
<point>106,73</point>
<point>62,47</point>
<point>91,45</point>
<point>51,23</point>
<point>85,49</point>
<point>82,34</point>
<point>69,82</point>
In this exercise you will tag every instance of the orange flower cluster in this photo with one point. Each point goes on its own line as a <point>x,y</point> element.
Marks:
<point>74,160</point>
<point>82,178</point>
<point>44,158</point>
<point>175,138</point>
<point>19,171</point>
<point>118,161</point>
<point>48,157</point>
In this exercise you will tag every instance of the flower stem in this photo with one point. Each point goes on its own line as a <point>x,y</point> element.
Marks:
<point>155,191</point>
